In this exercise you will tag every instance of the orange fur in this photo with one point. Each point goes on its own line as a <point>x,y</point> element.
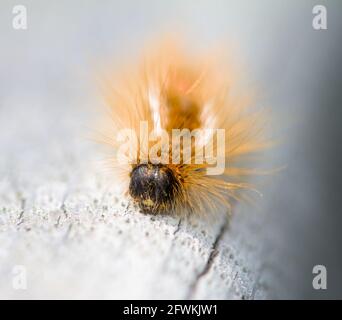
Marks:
<point>192,91</point>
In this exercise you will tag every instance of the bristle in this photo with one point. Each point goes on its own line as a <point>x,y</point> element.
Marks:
<point>172,90</point>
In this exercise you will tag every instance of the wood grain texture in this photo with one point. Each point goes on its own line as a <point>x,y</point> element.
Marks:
<point>61,221</point>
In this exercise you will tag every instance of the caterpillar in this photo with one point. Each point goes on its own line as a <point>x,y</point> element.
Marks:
<point>185,135</point>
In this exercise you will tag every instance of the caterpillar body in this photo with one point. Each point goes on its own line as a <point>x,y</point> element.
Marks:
<point>193,95</point>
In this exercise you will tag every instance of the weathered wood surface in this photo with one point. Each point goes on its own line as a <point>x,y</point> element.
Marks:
<point>61,221</point>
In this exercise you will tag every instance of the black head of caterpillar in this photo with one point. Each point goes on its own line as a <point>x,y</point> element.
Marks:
<point>169,90</point>
<point>155,187</point>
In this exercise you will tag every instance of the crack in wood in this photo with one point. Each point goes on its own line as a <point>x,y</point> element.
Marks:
<point>63,209</point>
<point>22,210</point>
<point>178,226</point>
<point>213,254</point>
<point>67,233</point>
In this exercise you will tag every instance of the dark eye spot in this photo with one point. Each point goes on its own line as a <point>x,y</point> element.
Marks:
<point>154,187</point>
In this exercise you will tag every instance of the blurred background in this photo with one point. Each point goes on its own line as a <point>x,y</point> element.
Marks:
<point>48,93</point>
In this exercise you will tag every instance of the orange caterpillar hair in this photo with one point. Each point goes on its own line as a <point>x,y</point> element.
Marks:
<point>172,90</point>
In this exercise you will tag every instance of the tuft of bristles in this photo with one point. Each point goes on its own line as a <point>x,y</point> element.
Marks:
<point>171,88</point>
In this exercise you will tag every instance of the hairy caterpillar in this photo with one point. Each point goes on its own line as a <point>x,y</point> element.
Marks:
<point>171,91</point>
